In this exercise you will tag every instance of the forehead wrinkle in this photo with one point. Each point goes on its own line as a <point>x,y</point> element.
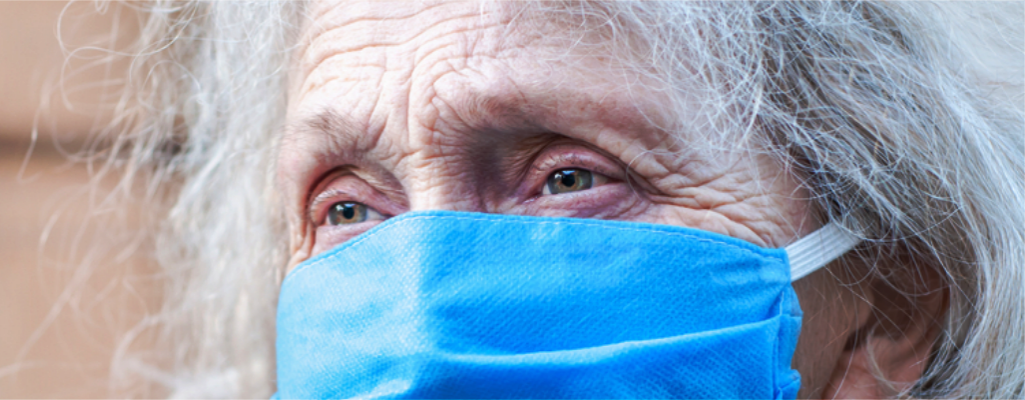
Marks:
<point>355,10</point>
<point>339,47</point>
<point>510,105</point>
<point>424,52</point>
<point>350,14</point>
<point>335,40</point>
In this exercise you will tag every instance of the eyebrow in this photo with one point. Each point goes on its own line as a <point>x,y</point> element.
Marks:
<point>325,122</point>
<point>335,136</point>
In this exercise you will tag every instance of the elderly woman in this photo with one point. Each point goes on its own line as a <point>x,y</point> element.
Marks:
<point>563,199</point>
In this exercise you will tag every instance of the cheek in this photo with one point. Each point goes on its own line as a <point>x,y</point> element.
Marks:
<point>833,310</point>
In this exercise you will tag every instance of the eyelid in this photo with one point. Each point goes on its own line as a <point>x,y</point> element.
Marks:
<point>320,203</point>
<point>353,188</point>
<point>571,156</point>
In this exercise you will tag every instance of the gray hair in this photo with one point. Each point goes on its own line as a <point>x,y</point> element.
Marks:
<point>905,119</point>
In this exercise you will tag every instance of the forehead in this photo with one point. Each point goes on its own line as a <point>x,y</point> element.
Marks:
<point>404,67</point>
<point>376,45</point>
<point>359,42</point>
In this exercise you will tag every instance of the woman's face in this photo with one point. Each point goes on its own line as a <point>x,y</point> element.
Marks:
<point>400,107</point>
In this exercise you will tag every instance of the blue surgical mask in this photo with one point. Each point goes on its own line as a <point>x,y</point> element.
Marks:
<point>463,305</point>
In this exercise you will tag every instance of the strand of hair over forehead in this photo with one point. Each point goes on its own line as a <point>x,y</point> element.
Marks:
<point>904,118</point>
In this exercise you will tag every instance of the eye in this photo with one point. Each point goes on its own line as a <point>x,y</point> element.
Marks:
<point>350,212</point>
<point>571,180</point>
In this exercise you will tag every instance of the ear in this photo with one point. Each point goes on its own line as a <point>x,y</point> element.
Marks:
<point>891,350</point>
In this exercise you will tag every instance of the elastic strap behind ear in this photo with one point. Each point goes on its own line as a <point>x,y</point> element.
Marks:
<point>818,249</point>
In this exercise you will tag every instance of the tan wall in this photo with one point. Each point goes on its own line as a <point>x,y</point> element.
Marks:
<point>60,322</point>
<point>31,61</point>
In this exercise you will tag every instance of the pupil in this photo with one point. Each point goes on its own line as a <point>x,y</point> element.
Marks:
<point>569,178</point>
<point>348,211</point>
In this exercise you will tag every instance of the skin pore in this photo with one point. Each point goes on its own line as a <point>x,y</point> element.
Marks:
<point>402,107</point>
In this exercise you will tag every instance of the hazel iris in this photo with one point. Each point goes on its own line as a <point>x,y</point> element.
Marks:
<point>346,212</point>
<point>570,180</point>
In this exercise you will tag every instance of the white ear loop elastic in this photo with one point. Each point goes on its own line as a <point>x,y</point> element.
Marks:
<point>818,249</point>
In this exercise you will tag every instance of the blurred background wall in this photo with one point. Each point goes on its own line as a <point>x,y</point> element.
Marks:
<point>71,291</point>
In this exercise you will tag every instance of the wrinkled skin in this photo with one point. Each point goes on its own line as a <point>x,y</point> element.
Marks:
<point>407,106</point>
